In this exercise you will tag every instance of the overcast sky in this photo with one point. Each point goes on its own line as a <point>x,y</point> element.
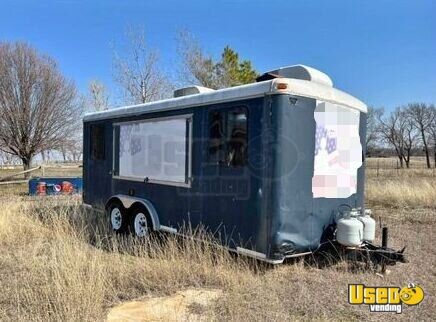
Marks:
<point>383,52</point>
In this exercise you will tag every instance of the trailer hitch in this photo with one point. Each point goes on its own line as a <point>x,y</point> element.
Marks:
<point>384,255</point>
<point>367,252</point>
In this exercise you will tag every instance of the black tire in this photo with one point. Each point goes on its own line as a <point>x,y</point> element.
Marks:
<point>140,223</point>
<point>118,217</point>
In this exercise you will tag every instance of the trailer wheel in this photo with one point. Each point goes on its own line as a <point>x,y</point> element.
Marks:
<point>118,220</point>
<point>140,223</point>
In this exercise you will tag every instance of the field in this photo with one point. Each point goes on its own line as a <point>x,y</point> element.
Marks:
<point>59,262</point>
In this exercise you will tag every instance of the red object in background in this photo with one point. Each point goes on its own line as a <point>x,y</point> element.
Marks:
<point>67,187</point>
<point>41,189</point>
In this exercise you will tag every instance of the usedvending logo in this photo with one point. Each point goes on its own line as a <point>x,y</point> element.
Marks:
<point>385,299</point>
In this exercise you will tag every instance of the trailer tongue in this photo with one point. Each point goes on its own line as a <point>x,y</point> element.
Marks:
<point>381,255</point>
<point>366,251</point>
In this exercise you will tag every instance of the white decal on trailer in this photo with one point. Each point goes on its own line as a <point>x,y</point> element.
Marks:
<point>338,151</point>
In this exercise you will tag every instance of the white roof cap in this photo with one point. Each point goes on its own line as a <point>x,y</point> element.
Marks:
<point>191,90</point>
<point>298,80</point>
<point>303,72</point>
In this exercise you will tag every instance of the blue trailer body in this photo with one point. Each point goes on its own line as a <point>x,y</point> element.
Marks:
<point>265,209</point>
<point>298,220</point>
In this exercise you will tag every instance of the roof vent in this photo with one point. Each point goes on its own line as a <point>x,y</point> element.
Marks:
<point>192,90</point>
<point>299,72</point>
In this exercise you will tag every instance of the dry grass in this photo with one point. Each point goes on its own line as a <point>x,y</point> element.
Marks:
<point>401,192</point>
<point>13,190</point>
<point>54,170</point>
<point>388,186</point>
<point>59,263</point>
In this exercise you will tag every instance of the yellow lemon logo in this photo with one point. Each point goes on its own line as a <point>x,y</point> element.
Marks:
<point>412,294</point>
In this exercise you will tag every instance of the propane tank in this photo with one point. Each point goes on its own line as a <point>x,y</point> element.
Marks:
<point>368,226</point>
<point>349,230</point>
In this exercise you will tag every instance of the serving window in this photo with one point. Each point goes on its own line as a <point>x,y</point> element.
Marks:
<point>154,150</point>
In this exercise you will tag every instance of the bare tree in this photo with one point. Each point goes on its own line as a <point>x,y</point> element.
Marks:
<point>45,155</point>
<point>63,151</point>
<point>372,128</point>
<point>7,158</point>
<point>422,117</point>
<point>196,67</point>
<point>71,150</point>
<point>409,133</point>
<point>432,131</point>
<point>38,107</point>
<point>75,150</point>
<point>137,72</point>
<point>98,97</point>
<point>399,131</point>
<point>392,132</point>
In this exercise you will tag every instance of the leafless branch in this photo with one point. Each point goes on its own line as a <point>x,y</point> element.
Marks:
<point>422,117</point>
<point>137,72</point>
<point>98,97</point>
<point>196,67</point>
<point>38,106</point>
<point>372,128</point>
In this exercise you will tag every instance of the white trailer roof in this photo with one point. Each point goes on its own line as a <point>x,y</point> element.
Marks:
<point>297,87</point>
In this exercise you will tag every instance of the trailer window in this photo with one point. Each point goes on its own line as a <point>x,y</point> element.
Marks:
<point>154,150</point>
<point>217,139</point>
<point>97,142</point>
<point>228,137</point>
<point>237,137</point>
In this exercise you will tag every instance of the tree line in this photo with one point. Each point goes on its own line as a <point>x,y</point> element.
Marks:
<point>41,110</point>
<point>140,78</point>
<point>407,130</point>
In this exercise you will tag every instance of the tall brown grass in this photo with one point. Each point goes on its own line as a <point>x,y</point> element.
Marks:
<point>63,264</point>
<point>401,192</point>
<point>60,263</point>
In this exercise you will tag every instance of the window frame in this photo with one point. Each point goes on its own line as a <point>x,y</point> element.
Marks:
<point>226,111</point>
<point>188,162</point>
<point>101,127</point>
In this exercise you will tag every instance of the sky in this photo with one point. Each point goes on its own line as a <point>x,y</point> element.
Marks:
<point>381,51</point>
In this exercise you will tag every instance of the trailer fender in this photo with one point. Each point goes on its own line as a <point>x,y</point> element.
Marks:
<point>129,201</point>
